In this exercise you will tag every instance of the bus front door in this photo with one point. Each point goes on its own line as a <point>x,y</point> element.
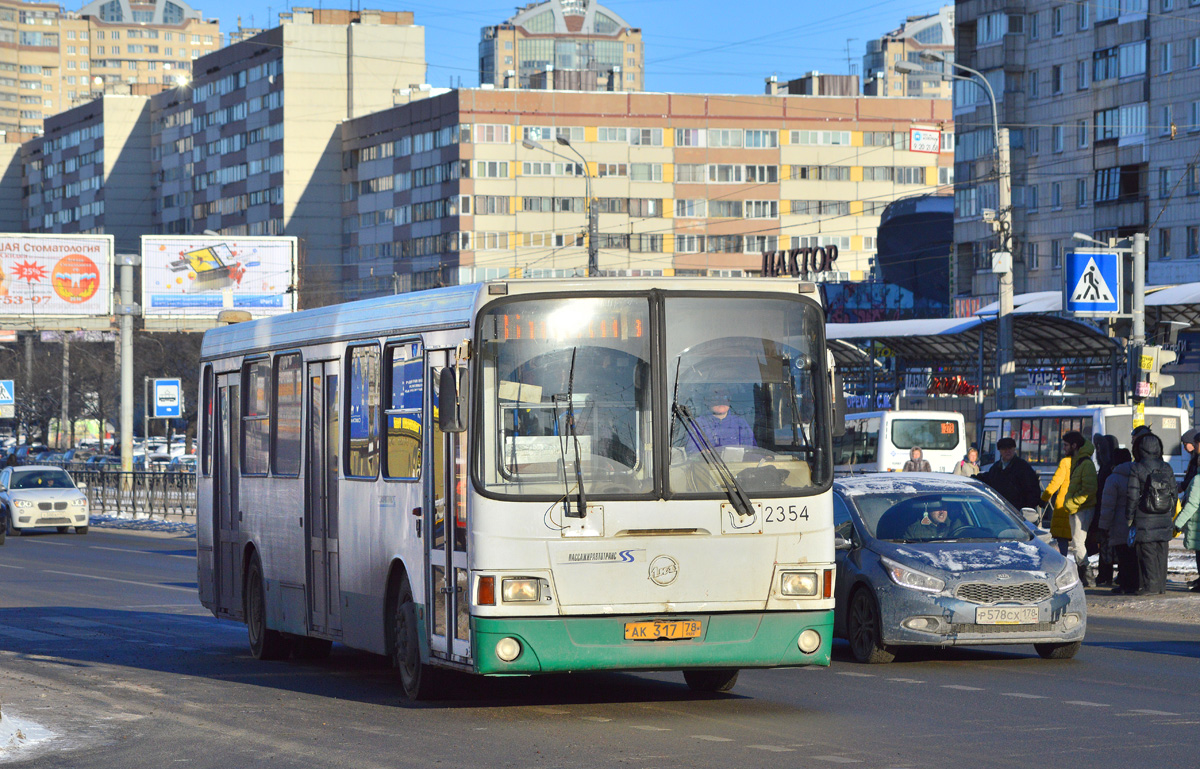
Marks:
<point>227,514</point>
<point>448,599</point>
<point>321,509</point>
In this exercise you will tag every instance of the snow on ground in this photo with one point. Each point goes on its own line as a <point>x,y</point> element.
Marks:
<point>18,735</point>
<point>128,522</point>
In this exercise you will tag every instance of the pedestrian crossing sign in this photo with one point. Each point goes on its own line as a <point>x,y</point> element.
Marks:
<point>6,392</point>
<point>1092,283</point>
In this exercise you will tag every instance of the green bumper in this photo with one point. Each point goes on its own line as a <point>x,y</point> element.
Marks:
<point>742,640</point>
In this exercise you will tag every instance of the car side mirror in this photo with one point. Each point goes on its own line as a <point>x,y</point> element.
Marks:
<point>1033,515</point>
<point>841,543</point>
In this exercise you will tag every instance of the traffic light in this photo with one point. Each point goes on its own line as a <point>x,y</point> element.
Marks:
<point>1158,380</point>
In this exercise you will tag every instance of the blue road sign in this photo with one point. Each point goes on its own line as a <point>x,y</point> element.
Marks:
<point>1093,282</point>
<point>7,393</point>
<point>168,398</point>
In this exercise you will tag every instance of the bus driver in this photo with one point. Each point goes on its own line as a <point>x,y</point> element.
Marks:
<point>722,427</point>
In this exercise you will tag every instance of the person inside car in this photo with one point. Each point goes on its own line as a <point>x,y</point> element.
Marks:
<point>935,524</point>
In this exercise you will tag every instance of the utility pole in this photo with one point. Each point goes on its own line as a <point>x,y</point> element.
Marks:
<point>1003,264</point>
<point>127,310</point>
<point>1137,331</point>
<point>593,266</point>
<point>66,394</point>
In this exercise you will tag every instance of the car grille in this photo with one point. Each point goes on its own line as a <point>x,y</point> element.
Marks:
<point>987,592</point>
<point>53,521</point>
<point>959,628</point>
<point>52,505</point>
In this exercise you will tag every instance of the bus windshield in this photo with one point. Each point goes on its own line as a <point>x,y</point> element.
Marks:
<point>748,380</point>
<point>567,383</point>
<point>935,434</point>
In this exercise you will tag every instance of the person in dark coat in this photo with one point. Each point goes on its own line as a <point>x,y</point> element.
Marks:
<point>1097,542</point>
<point>1113,526</point>
<point>1150,510</point>
<point>1013,478</point>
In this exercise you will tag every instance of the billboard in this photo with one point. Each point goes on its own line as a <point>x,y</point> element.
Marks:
<point>198,276</point>
<point>55,276</point>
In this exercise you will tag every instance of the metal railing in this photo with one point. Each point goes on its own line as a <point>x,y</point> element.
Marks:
<point>141,493</point>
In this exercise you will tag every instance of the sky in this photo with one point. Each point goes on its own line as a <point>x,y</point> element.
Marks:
<point>698,46</point>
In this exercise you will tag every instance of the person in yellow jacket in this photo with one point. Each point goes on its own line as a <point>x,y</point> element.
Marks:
<point>1073,490</point>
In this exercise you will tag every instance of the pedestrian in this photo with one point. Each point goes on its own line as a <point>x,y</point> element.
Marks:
<point>915,464</point>
<point>1012,477</point>
<point>969,466</point>
<point>1097,542</point>
<point>1074,499</point>
<point>1191,442</point>
<point>1113,525</point>
<point>1188,521</point>
<point>1149,509</point>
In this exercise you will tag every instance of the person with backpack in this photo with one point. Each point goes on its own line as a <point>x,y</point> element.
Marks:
<point>1075,498</point>
<point>1149,510</point>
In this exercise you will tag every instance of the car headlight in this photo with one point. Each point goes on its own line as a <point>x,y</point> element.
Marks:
<point>911,578</point>
<point>521,589</point>
<point>81,502</point>
<point>798,583</point>
<point>22,503</point>
<point>1067,578</point>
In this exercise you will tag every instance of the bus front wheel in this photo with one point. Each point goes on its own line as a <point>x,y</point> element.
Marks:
<point>265,644</point>
<point>711,681</point>
<point>419,680</point>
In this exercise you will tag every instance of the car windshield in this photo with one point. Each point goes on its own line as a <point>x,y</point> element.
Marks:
<point>41,479</point>
<point>936,434</point>
<point>947,516</point>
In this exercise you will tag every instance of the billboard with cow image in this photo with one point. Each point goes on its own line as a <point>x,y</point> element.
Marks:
<point>55,276</point>
<point>199,276</point>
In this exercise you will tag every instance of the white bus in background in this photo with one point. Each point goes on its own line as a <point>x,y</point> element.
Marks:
<point>1038,432</point>
<point>881,441</point>
<point>513,478</point>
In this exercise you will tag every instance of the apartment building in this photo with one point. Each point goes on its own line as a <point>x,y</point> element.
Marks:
<point>51,59</point>
<point>1101,101</point>
<point>444,190</point>
<point>576,45</point>
<point>918,34</point>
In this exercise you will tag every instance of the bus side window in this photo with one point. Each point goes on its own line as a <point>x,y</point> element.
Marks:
<point>870,452</point>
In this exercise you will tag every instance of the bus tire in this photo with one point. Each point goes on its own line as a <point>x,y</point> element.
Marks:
<point>265,644</point>
<point>419,680</point>
<point>718,680</point>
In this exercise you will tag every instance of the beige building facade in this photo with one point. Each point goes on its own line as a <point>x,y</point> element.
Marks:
<point>907,42</point>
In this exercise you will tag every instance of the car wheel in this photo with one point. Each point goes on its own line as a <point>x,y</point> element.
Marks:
<point>863,627</point>
<point>710,681</point>
<point>9,529</point>
<point>419,680</point>
<point>1058,651</point>
<point>265,644</point>
<point>81,529</point>
<point>63,529</point>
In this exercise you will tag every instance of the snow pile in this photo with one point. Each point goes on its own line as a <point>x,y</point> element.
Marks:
<point>17,734</point>
<point>142,524</point>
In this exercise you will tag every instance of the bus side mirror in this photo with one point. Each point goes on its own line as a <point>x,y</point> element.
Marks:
<point>450,411</point>
<point>838,428</point>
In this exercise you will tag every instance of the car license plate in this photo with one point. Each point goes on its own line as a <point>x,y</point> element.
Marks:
<point>653,630</point>
<point>1006,615</point>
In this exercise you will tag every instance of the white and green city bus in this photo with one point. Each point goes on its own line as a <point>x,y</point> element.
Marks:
<point>527,477</point>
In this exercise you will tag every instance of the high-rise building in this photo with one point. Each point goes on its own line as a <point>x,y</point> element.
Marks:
<point>916,35</point>
<point>1102,104</point>
<point>52,59</point>
<point>576,45</point>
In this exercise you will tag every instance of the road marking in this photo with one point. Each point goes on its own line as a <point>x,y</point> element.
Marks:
<point>772,748</point>
<point>1022,696</point>
<point>124,581</point>
<point>838,759</point>
<point>142,552</point>
<point>10,566</point>
<point>597,719</point>
<point>906,680</point>
<point>855,675</point>
<point>711,738</point>
<point>1086,704</point>
<point>962,688</point>
<point>1147,712</point>
<point>652,728</point>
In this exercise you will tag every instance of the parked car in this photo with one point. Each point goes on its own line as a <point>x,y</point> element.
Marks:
<point>937,560</point>
<point>185,463</point>
<point>100,460</point>
<point>27,453</point>
<point>40,495</point>
<point>155,462</point>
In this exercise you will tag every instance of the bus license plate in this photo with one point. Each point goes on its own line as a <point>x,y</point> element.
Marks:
<point>1012,615</point>
<point>656,629</point>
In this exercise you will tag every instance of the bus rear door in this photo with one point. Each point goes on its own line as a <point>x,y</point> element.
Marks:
<point>321,508</point>
<point>227,513</point>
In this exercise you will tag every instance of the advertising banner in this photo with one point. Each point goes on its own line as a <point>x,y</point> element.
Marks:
<point>199,276</point>
<point>55,276</point>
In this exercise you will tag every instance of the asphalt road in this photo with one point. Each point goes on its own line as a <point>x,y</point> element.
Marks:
<point>103,643</point>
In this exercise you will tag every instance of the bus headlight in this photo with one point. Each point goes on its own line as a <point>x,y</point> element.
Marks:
<point>798,583</point>
<point>519,589</point>
<point>809,641</point>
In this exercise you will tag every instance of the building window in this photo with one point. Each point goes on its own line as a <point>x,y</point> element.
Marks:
<point>1056,195</point>
<point>1167,121</point>
<point>1056,255</point>
<point>1164,58</point>
<point>1082,128</point>
<point>1193,180</point>
<point>1033,26</point>
<point>1081,186</point>
<point>1031,198</point>
<point>1057,134</point>
<point>1164,244</point>
<point>1164,182</point>
<point>1081,75</point>
<point>1193,242</point>
<point>1057,19</point>
<point>1033,84</point>
<point>1056,79</point>
<point>1084,11</point>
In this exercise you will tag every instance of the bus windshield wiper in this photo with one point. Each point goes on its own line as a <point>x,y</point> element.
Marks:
<point>733,490</point>
<point>581,499</point>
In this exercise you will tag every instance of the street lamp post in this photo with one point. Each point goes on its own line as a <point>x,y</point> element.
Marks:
<point>593,263</point>
<point>1002,224</point>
